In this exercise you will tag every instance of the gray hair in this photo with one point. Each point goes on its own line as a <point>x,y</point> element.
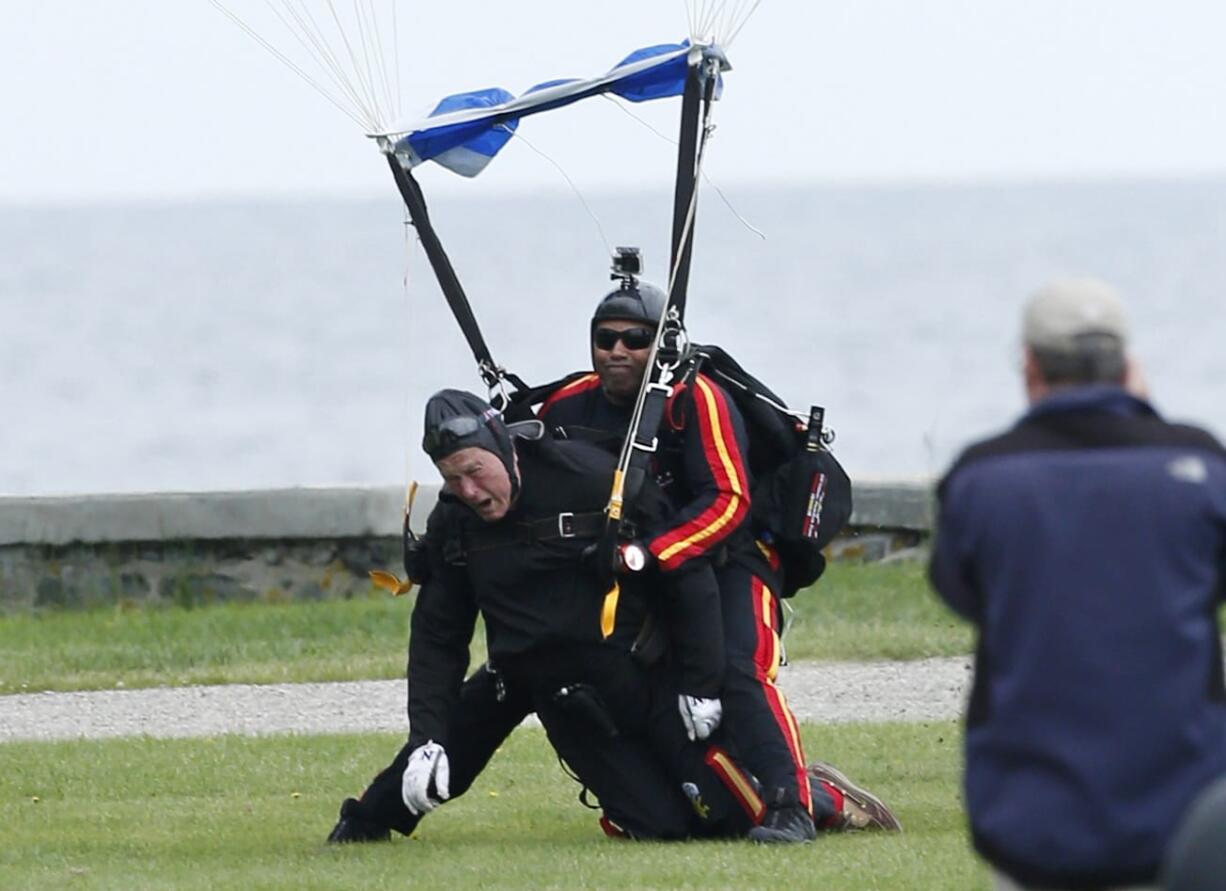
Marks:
<point>1095,359</point>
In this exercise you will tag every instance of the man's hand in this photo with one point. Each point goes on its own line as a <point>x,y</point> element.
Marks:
<point>428,764</point>
<point>699,715</point>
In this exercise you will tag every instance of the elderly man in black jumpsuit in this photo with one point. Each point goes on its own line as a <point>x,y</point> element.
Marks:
<point>508,541</point>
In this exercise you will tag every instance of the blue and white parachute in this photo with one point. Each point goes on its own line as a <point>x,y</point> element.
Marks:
<point>350,54</point>
<point>466,130</point>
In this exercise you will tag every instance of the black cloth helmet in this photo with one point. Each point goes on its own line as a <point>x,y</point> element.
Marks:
<point>456,420</point>
<point>633,300</point>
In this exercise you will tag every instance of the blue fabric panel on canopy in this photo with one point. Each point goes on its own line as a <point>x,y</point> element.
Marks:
<point>466,130</point>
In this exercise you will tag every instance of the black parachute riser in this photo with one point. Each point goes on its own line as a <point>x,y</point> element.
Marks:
<point>670,337</point>
<point>683,191</point>
<point>696,102</point>
<point>448,281</point>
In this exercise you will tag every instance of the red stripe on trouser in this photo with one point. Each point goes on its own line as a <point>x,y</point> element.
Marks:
<point>766,663</point>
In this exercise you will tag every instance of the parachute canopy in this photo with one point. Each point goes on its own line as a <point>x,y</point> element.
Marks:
<point>466,130</point>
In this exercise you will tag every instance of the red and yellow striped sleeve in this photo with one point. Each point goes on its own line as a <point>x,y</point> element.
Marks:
<point>715,474</point>
<point>579,385</point>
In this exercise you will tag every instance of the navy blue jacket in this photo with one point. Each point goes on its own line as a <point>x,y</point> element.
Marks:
<point>1087,545</point>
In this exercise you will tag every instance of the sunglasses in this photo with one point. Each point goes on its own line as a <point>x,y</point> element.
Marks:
<point>634,338</point>
<point>447,434</point>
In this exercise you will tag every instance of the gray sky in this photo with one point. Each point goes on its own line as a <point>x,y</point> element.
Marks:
<point>165,98</point>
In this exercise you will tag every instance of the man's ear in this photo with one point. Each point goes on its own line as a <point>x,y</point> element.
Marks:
<point>1134,379</point>
<point>1032,376</point>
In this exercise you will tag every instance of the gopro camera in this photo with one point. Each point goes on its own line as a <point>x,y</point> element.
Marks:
<point>627,262</point>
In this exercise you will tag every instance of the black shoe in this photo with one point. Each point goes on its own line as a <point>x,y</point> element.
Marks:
<point>786,821</point>
<point>353,826</point>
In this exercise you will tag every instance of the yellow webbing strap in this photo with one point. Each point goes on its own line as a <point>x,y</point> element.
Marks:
<point>608,611</point>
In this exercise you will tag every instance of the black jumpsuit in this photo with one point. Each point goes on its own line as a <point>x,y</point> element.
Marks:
<point>702,465</point>
<point>549,627</point>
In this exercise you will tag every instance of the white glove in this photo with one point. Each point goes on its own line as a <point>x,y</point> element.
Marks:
<point>428,762</point>
<point>699,715</point>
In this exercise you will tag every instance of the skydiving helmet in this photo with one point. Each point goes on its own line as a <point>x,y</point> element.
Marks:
<point>457,420</point>
<point>633,300</point>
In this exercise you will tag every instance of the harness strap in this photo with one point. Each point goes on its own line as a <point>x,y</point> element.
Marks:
<point>558,526</point>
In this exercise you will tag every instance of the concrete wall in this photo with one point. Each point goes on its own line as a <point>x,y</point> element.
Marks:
<point>305,543</point>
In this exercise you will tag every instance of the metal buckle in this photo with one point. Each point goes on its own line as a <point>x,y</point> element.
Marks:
<point>566,525</point>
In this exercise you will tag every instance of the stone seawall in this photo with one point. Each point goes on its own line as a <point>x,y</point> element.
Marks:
<point>288,544</point>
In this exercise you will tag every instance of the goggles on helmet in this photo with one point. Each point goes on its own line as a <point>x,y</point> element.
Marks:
<point>449,433</point>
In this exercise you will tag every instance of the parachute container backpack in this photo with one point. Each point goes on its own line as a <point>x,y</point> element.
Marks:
<point>802,496</point>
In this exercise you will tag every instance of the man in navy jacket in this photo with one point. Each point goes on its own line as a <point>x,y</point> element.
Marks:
<point>1087,545</point>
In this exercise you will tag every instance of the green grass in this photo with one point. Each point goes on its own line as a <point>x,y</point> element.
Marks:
<point>241,813</point>
<point>855,612</point>
<point>867,611</point>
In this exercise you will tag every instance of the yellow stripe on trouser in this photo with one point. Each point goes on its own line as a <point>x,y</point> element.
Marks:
<point>608,611</point>
<point>772,671</point>
<point>747,792</point>
<point>768,613</point>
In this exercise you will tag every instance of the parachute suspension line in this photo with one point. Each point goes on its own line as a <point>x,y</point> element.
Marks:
<point>288,63</point>
<point>706,178</point>
<point>347,50</point>
<point>608,247</point>
<point>396,59</point>
<point>307,31</point>
<point>737,30</point>
<point>367,87</point>
<point>717,22</point>
<point>375,50</point>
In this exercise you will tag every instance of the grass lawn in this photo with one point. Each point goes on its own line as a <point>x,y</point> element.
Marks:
<point>854,612</point>
<point>242,813</point>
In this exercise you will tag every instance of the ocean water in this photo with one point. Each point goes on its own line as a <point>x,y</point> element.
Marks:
<point>263,344</point>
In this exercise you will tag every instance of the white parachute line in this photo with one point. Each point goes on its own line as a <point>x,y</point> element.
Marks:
<point>570,182</point>
<point>372,105</point>
<point>381,59</point>
<point>689,17</point>
<point>368,36</point>
<point>728,204</point>
<point>396,58</point>
<point>307,31</point>
<point>362,59</point>
<point>737,30</point>
<point>287,62</point>
<point>714,10</point>
<point>718,21</point>
<point>705,177</point>
<point>725,17</point>
<point>711,32</point>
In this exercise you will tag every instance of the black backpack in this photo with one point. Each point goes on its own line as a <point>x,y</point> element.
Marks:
<point>801,496</point>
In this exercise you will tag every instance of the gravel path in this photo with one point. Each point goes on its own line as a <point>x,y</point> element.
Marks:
<point>835,692</point>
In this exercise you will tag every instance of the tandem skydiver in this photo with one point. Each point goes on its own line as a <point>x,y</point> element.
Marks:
<point>512,539</point>
<point>702,465</point>
<point>597,406</point>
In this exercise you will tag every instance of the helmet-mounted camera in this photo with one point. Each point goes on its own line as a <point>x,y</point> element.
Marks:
<point>627,265</point>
